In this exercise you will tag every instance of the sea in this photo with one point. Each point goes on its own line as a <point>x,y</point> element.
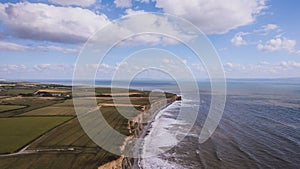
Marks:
<point>260,126</point>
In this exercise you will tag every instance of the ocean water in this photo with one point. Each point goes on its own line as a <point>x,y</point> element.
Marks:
<point>260,128</point>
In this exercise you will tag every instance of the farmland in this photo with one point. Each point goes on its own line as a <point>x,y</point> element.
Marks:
<point>29,103</point>
<point>51,111</point>
<point>4,108</point>
<point>17,132</point>
<point>50,130</point>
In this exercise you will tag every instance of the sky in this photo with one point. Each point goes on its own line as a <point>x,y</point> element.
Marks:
<point>42,39</point>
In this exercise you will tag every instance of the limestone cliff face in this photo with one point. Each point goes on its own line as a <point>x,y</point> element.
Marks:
<point>137,127</point>
<point>116,164</point>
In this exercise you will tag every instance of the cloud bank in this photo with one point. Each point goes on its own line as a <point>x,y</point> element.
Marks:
<point>83,3</point>
<point>37,21</point>
<point>277,44</point>
<point>215,17</point>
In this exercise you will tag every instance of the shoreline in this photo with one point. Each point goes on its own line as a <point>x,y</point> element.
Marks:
<point>136,127</point>
<point>139,129</point>
<point>147,130</point>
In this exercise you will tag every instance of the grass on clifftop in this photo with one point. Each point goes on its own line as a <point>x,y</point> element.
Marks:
<point>17,132</point>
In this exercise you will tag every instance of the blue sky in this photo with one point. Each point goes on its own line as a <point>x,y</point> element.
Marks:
<point>41,39</point>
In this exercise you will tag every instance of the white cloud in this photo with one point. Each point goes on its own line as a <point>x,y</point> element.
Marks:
<point>289,64</point>
<point>50,71</point>
<point>36,21</point>
<point>264,63</point>
<point>44,22</point>
<point>134,12</point>
<point>8,46</point>
<point>144,1</point>
<point>147,39</point>
<point>167,61</point>
<point>263,69</point>
<point>7,68</point>
<point>83,3</point>
<point>266,29</point>
<point>215,17</point>
<point>123,3</point>
<point>233,66</point>
<point>149,24</point>
<point>277,44</point>
<point>269,27</point>
<point>238,40</point>
<point>55,48</point>
<point>49,67</point>
<point>12,46</point>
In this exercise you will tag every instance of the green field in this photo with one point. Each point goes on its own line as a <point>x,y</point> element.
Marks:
<point>87,154</point>
<point>9,107</point>
<point>72,135</point>
<point>31,103</point>
<point>51,111</point>
<point>57,160</point>
<point>17,132</point>
<point>65,145</point>
<point>16,91</point>
<point>66,103</point>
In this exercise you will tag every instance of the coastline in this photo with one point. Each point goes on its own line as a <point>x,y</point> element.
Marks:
<point>60,96</point>
<point>139,128</point>
<point>148,128</point>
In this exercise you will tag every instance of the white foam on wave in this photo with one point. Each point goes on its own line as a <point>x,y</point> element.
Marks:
<point>156,162</point>
<point>161,138</point>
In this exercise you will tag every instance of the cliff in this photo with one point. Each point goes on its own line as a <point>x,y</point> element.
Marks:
<point>137,127</point>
